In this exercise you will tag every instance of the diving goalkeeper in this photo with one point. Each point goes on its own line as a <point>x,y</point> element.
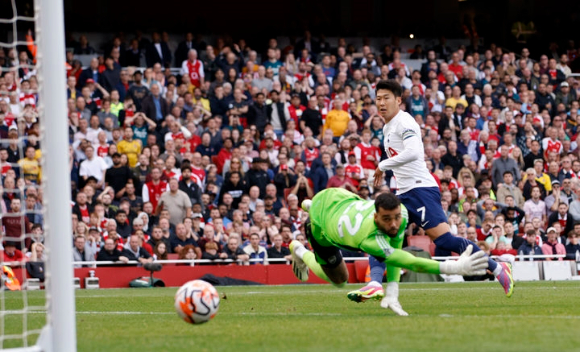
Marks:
<point>341,219</point>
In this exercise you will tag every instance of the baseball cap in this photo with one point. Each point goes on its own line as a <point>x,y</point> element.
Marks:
<point>90,80</point>
<point>196,215</point>
<point>564,84</point>
<point>550,229</point>
<point>555,182</point>
<point>351,153</point>
<point>93,229</point>
<point>258,160</point>
<point>295,95</point>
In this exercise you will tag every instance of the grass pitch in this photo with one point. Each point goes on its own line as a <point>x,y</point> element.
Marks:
<point>541,316</point>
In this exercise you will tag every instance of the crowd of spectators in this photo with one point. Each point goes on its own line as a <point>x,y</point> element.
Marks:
<point>213,162</point>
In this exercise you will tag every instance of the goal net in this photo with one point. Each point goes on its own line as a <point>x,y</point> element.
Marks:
<point>36,286</point>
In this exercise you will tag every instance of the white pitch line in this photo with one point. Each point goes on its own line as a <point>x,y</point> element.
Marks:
<point>507,316</point>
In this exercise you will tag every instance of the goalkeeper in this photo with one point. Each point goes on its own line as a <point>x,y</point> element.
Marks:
<point>341,219</point>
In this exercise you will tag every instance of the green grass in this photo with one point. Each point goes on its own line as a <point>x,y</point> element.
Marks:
<point>542,316</point>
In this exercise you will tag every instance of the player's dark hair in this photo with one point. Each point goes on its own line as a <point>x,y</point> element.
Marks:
<point>390,85</point>
<point>387,201</point>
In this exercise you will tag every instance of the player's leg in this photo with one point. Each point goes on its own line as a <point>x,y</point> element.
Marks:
<point>374,289</point>
<point>443,238</point>
<point>424,207</point>
<point>325,262</point>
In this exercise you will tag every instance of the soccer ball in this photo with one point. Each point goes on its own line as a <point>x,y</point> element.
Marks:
<point>197,302</point>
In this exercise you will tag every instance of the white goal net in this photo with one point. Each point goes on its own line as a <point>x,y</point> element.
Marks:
<point>36,295</point>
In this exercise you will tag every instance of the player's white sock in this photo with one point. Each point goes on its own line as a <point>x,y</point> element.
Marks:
<point>374,284</point>
<point>497,271</point>
<point>300,250</point>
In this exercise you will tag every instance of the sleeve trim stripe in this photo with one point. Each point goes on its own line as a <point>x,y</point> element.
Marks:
<point>382,242</point>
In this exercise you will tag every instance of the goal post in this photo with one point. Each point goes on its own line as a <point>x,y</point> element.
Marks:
<point>48,47</point>
<point>60,290</point>
<point>61,326</point>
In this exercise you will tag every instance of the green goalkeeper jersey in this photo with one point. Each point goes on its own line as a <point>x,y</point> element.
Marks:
<point>346,221</point>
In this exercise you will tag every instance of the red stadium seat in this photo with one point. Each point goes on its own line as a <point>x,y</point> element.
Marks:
<point>172,256</point>
<point>423,242</point>
<point>432,248</point>
<point>360,269</point>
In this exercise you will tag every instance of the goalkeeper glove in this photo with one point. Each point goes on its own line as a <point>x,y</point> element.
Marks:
<point>467,265</point>
<point>391,300</point>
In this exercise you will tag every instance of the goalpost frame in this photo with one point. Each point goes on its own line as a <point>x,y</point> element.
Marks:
<point>60,332</point>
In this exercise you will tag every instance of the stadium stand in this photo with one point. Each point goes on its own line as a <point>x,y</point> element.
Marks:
<point>193,144</point>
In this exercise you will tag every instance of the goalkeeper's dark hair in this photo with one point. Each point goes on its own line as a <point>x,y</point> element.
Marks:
<point>387,201</point>
<point>390,85</point>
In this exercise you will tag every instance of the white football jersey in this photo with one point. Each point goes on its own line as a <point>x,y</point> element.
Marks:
<point>409,168</point>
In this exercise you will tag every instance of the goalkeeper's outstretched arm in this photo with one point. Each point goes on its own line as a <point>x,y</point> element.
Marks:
<point>467,264</point>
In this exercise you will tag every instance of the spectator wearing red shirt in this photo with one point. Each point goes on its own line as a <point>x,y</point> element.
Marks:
<point>11,254</point>
<point>366,154</point>
<point>153,189</point>
<point>353,170</point>
<point>14,223</point>
<point>502,249</point>
<point>224,155</point>
<point>310,153</point>
<point>82,208</point>
<point>455,66</point>
<point>296,109</point>
<point>341,180</point>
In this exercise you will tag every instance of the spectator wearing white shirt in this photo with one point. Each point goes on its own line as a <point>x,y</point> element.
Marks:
<point>93,166</point>
<point>93,130</point>
<point>255,251</point>
<point>535,207</point>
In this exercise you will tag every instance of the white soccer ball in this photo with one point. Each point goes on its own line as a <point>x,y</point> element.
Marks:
<point>197,302</point>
